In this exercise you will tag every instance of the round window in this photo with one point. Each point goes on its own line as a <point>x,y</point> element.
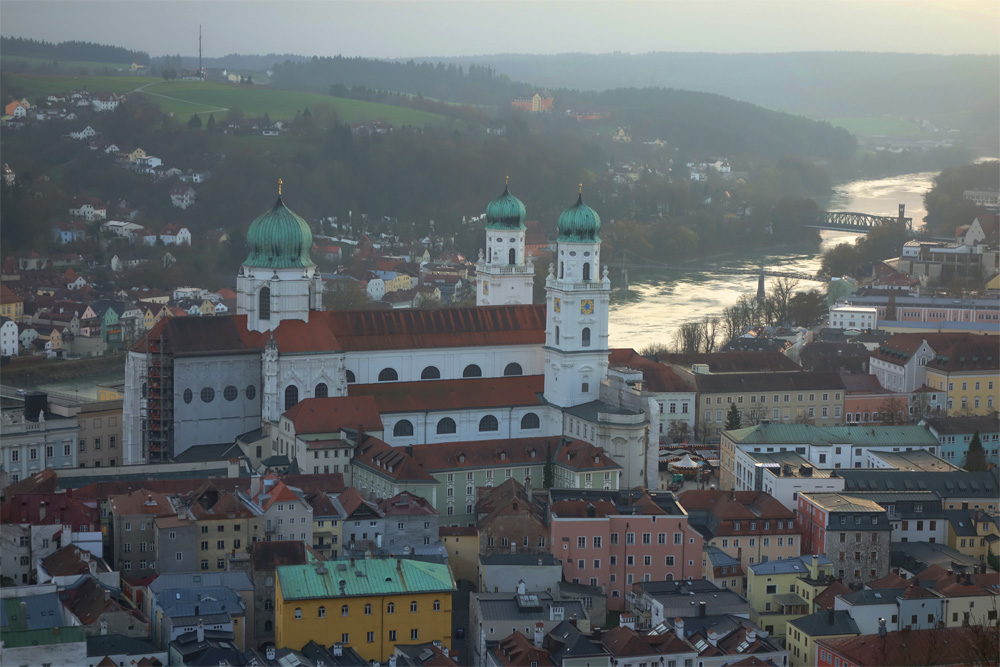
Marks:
<point>188,395</point>
<point>251,392</point>
<point>572,253</point>
<point>513,240</point>
<point>586,254</point>
<point>207,395</point>
<point>230,393</point>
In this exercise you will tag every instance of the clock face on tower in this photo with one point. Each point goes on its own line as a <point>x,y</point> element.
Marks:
<point>557,304</point>
<point>587,306</point>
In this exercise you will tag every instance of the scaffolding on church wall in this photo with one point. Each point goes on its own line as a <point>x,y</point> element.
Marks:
<point>160,402</point>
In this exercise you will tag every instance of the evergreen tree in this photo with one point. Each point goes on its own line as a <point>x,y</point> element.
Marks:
<point>975,457</point>
<point>210,125</point>
<point>195,122</point>
<point>548,472</point>
<point>733,418</point>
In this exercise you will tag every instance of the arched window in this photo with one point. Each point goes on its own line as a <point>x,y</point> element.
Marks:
<point>586,270</point>
<point>350,377</point>
<point>368,610</point>
<point>488,423</point>
<point>344,610</point>
<point>585,337</point>
<point>145,390</point>
<point>268,605</point>
<point>413,606</point>
<point>513,369</point>
<point>321,391</point>
<point>264,303</point>
<point>562,266</point>
<point>512,256</point>
<point>529,421</point>
<point>472,371</point>
<point>321,612</point>
<point>446,426</point>
<point>557,334</point>
<point>390,608</point>
<point>403,427</point>
<point>268,626</point>
<point>298,612</point>
<point>437,605</point>
<point>291,396</point>
<point>430,373</point>
<point>388,375</point>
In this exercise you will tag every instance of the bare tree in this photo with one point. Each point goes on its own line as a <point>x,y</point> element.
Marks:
<point>709,329</point>
<point>892,412</point>
<point>687,339</point>
<point>781,290</point>
<point>679,431</point>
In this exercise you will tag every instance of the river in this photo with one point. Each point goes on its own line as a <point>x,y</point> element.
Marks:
<point>658,303</point>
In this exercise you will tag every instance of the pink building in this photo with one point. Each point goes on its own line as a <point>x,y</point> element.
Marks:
<point>613,539</point>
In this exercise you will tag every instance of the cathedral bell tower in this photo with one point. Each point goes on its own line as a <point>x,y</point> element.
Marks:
<point>278,281</point>
<point>577,299</point>
<point>505,275</point>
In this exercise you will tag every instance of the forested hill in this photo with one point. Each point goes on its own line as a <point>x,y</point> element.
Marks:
<point>818,85</point>
<point>86,51</point>
<point>699,123</point>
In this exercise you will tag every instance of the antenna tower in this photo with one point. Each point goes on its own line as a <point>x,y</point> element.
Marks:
<point>201,72</point>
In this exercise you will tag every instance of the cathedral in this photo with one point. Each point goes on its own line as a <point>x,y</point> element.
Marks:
<point>513,369</point>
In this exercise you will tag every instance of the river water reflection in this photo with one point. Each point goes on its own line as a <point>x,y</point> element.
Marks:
<point>657,303</point>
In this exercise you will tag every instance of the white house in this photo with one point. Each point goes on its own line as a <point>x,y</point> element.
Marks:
<point>182,196</point>
<point>85,133</point>
<point>105,102</point>
<point>8,337</point>
<point>846,316</point>
<point>174,234</point>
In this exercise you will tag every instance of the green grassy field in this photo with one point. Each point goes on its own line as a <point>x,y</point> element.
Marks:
<point>867,126</point>
<point>185,98</point>
<point>68,67</point>
<point>179,96</point>
<point>39,85</point>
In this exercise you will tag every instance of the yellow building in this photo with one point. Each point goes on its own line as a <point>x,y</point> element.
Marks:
<point>783,590</point>
<point>11,305</point>
<point>974,533</point>
<point>462,543</point>
<point>969,374</point>
<point>368,605</point>
<point>225,526</point>
<point>801,634</point>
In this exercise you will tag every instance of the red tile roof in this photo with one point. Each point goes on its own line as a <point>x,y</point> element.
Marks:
<point>329,415</point>
<point>141,501</point>
<point>734,506</point>
<point>45,509</point>
<point>453,394</point>
<point>332,482</point>
<point>657,377</point>
<point>826,599</point>
<point>580,509</point>
<point>406,504</point>
<point>931,647</point>
<point>900,347</point>
<point>891,580</point>
<point>734,362</point>
<point>394,462</point>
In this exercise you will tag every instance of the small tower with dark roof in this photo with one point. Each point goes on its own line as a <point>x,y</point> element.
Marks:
<point>504,273</point>
<point>278,280</point>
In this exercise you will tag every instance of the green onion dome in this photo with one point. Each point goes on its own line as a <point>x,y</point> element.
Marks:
<point>279,239</point>
<point>505,212</point>
<point>579,223</point>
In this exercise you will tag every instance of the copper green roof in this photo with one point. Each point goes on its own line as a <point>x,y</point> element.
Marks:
<point>279,239</point>
<point>505,212</point>
<point>361,578</point>
<point>579,223</point>
<point>803,434</point>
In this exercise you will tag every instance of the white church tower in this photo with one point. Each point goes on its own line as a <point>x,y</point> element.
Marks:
<point>504,273</point>
<point>577,298</point>
<point>278,281</point>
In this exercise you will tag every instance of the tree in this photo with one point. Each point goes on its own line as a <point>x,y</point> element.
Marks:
<point>351,296</point>
<point>195,122</point>
<point>891,412</point>
<point>975,457</point>
<point>548,472</point>
<point>679,431</point>
<point>733,418</point>
<point>805,308</point>
<point>210,125</point>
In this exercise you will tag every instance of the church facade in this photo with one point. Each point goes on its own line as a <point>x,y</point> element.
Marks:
<point>505,369</point>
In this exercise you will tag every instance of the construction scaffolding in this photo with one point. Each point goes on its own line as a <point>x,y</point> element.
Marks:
<point>158,440</point>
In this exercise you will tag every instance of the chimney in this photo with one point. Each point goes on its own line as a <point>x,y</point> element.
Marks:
<point>751,635</point>
<point>254,486</point>
<point>713,637</point>
<point>679,627</point>
<point>702,609</point>
<point>392,660</point>
<point>814,568</point>
<point>881,627</point>
<point>521,588</point>
<point>201,631</point>
<point>270,653</point>
<point>93,567</point>
<point>829,616</point>
<point>338,650</point>
<point>104,627</point>
<point>539,634</point>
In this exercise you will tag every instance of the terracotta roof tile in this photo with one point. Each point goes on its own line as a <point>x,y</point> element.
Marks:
<point>657,377</point>
<point>453,394</point>
<point>329,415</point>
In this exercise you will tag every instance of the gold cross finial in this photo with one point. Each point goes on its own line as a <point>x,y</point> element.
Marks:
<point>581,188</point>
<point>506,178</point>
<point>279,187</point>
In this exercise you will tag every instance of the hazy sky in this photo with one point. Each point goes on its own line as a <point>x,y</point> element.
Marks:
<point>474,27</point>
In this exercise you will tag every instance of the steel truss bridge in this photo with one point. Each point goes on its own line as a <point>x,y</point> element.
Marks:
<point>855,222</point>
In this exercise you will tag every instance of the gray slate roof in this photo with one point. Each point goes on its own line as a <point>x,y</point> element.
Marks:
<point>102,645</point>
<point>873,596</point>
<point>947,484</point>
<point>787,566</point>
<point>504,606</point>
<point>819,625</point>
<point>238,581</point>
